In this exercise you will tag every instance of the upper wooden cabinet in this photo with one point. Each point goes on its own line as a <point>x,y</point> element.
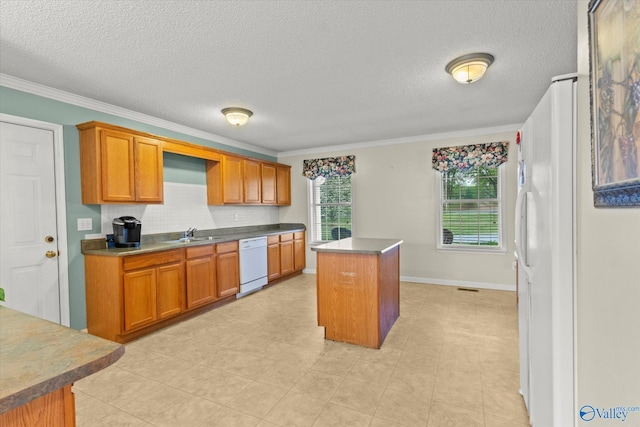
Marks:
<point>232,179</point>
<point>119,167</point>
<point>269,184</point>
<point>283,184</point>
<point>252,171</point>
<point>236,180</point>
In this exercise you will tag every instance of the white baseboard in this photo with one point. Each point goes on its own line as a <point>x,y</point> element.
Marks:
<point>461,283</point>
<point>446,282</point>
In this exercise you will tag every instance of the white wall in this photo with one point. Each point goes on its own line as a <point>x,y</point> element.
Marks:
<point>185,206</point>
<point>394,196</point>
<point>608,280</point>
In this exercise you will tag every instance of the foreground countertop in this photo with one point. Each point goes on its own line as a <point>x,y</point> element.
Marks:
<point>356,245</point>
<point>38,357</point>
<point>158,242</point>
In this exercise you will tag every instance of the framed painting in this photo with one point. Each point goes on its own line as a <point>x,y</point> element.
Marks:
<point>614,72</point>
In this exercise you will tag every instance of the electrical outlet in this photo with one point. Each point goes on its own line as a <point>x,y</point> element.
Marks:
<point>235,217</point>
<point>85,224</point>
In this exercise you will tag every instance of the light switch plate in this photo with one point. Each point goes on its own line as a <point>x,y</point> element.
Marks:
<point>85,224</point>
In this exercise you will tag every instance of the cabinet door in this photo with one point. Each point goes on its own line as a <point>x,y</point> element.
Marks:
<point>170,290</point>
<point>228,276</point>
<point>269,184</point>
<point>286,257</point>
<point>252,181</point>
<point>201,276</point>
<point>232,179</point>
<point>273,261</point>
<point>283,187</point>
<point>299,252</point>
<point>139,298</point>
<point>117,162</point>
<point>148,170</point>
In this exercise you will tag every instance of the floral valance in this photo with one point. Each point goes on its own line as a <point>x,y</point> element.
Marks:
<point>466,157</point>
<point>328,167</point>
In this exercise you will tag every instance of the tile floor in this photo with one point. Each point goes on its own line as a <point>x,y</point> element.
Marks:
<point>451,359</point>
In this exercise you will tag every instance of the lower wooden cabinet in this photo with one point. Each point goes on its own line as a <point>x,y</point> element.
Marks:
<point>228,269</point>
<point>285,254</point>
<point>273,257</point>
<point>299,251</point>
<point>130,296</point>
<point>201,275</point>
<point>170,290</point>
<point>125,295</point>
<point>139,298</point>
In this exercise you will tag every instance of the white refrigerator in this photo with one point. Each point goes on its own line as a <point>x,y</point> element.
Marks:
<point>545,230</point>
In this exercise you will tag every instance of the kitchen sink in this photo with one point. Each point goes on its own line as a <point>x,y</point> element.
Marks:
<point>188,240</point>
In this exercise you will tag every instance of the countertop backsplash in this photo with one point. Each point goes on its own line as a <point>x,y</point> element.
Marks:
<point>185,205</point>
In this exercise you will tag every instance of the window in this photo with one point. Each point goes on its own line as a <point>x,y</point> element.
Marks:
<point>470,211</point>
<point>330,208</point>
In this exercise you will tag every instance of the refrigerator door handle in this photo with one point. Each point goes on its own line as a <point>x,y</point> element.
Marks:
<point>522,196</point>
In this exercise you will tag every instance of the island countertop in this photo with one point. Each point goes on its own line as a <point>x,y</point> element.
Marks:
<point>356,245</point>
<point>38,357</point>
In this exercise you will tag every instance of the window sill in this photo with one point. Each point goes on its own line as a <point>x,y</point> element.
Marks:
<point>495,250</point>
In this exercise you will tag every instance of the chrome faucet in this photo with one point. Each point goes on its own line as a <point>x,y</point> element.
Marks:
<point>189,233</point>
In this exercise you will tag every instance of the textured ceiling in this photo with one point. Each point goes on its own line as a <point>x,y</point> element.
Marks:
<point>315,73</point>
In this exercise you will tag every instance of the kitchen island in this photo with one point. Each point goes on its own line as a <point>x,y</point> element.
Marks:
<point>358,289</point>
<point>39,362</point>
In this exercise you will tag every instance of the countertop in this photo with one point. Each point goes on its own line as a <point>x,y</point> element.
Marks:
<point>158,242</point>
<point>38,357</point>
<point>356,245</point>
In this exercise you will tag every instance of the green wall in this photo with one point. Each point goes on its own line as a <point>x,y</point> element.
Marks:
<point>177,169</point>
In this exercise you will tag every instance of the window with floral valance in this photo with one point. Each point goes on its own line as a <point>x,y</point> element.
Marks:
<point>467,157</point>
<point>329,167</point>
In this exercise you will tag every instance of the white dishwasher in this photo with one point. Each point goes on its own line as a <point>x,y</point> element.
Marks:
<point>253,265</point>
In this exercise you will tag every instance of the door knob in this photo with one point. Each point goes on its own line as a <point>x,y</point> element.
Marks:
<point>49,239</point>
<point>51,254</point>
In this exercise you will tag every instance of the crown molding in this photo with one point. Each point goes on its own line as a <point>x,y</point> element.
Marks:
<point>406,140</point>
<point>81,101</point>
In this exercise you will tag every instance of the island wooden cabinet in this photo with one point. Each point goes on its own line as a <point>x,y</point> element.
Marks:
<point>119,167</point>
<point>358,289</point>
<point>227,269</point>
<point>127,294</point>
<point>201,275</point>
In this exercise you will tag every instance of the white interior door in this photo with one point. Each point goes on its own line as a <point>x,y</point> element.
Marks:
<point>29,229</point>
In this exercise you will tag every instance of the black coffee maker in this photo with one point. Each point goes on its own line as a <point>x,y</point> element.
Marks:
<point>126,232</point>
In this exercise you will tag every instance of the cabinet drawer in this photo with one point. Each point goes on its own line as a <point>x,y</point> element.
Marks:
<point>271,240</point>
<point>198,251</point>
<point>298,235</point>
<point>227,247</point>
<point>286,237</point>
<point>156,258</point>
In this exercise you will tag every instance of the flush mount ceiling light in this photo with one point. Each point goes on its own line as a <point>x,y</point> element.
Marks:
<point>237,116</point>
<point>469,68</point>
